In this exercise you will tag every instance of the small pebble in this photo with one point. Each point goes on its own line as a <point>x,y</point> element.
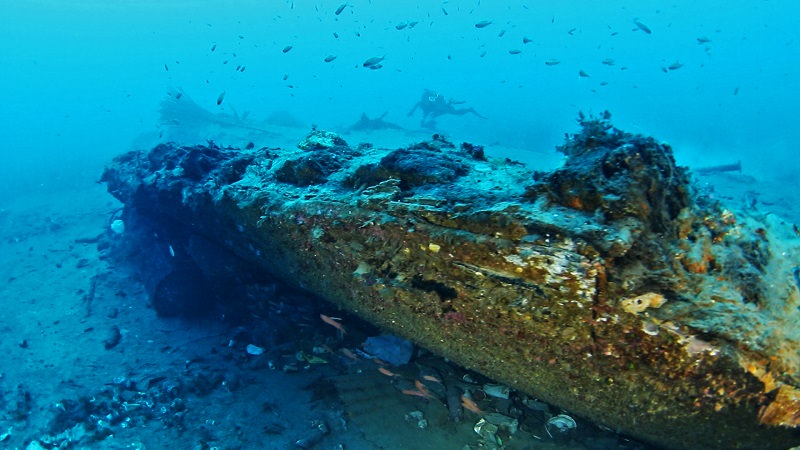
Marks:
<point>114,336</point>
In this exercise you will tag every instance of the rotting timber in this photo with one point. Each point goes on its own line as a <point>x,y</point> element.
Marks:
<point>608,287</point>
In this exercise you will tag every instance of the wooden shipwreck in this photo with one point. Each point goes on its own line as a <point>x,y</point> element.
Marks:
<point>609,287</point>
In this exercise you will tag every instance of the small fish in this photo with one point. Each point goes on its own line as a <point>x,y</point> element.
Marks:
<point>526,40</point>
<point>675,66</point>
<point>178,96</point>
<point>285,76</point>
<point>166,67</point>
<point>414,393</point>
<point>336,35</point>
<point>703,40</point>
<point>386,372</point>
<point>376,66</point>
<point>220,98</point>
<point>242,69</point>
<point>340,9</point>
<point>571,31</point>
<point>501,33</point>
<point>642,26</point>
<point>736,92</point>
<point>412,24</point>
<point>444,11</point>
<point>607,61</point>
<point>401,25</point>
<point>333,321</point>
<point>330,58</point>
<point>483,24</point>
<point>552,62</point>
<point>287,48</point>
<point>422,388</point>
<point>349,353</point>
<point>583,74</point>
<point>374,61</point>
<point>213,47</point>
<point>249,146</point>
<point>469,404</point>
<point>431,378</point>
<point>514,51</point>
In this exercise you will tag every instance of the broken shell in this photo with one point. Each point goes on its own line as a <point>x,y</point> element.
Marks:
<point>560,426</point>
<point>318,431</point>
<point>118,226</point>
<point>650,328</point>
<point>508,423</point>
<point>486,430</point>
<point>417,419</point>
<point>254,350</point>
<point>467,378</point>
<point>497,390</point>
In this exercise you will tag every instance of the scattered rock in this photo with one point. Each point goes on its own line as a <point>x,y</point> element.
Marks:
<point>313,168</point>
<point>113,338</point>
<point>418,165</point>
<point>389,348</point>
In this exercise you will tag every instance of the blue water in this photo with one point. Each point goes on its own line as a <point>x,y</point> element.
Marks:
<point>82,79</point>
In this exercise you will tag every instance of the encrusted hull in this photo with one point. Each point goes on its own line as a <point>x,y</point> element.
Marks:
<point>589,287</point>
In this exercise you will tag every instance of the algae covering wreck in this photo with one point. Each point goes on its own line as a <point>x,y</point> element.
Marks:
<point>609,287</point>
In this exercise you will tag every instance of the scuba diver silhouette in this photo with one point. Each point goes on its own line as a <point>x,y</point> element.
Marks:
<point>433,105</point>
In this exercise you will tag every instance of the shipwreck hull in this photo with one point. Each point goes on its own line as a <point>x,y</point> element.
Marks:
<point>575,289</point>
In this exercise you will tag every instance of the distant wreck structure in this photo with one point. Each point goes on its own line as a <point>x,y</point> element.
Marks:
<point>608,287</point>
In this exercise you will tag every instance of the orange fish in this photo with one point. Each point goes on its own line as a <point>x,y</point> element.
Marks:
<point>333,322</point>
<point>469,404</point>
<point>386,372</point>
<point>422,388</point>
<point>348,353</point>
<point>414,392</point>
<point>431,378</point>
